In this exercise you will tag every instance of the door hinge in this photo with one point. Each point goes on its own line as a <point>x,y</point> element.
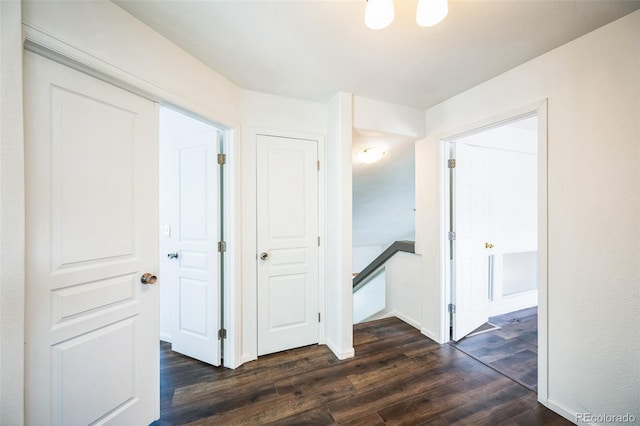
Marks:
<point>318,165</point>
<point>318,241</point>
<point>318,316</point>
<point>222,159</point>
<point>452,308</point>
<point>222,334</point>
<point>452,235</point>
<point>222,246</point>
<point>451,163</point>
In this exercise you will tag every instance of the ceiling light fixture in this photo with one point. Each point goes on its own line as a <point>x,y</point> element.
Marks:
<point>380,13</point>
<point>431,12</point>
<point>371,155</point>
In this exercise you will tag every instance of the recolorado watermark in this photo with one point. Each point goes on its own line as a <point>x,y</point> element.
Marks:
<point>605,418</point>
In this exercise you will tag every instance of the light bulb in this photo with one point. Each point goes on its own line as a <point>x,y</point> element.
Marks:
<point>378,14</point>
<point>431,12</point>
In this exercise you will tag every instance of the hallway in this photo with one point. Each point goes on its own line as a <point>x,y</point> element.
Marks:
<point>398,375</point>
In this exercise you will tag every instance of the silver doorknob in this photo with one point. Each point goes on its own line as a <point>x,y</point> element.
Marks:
<point>172,255</point>
<point>264,255</point>
<point>148,278</point>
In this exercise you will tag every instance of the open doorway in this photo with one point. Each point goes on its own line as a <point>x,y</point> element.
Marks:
<point>493,247</point>
<point>384,274</point>
<point>190,216</point>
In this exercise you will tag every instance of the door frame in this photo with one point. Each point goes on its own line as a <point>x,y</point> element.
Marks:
<point>50,47</point>
<point>540,110</point>
<point>249,241</point>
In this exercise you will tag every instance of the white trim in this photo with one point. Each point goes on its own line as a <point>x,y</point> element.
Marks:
<point>40,42</point>
<point>250,250</point>
<point>543,253</point>
<point>322,230</point>
<point>539,109</point>
<point>431,335</point>
<point>413,323</point>
<point>232,294</point>
<point>444,246</point>
<point>562,410</point>
<point>340,355</point>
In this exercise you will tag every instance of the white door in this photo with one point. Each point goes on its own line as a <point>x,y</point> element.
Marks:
<point>190,221</point>
<point>287,203</point>
<point>470,290</point>
<point>91,348</point>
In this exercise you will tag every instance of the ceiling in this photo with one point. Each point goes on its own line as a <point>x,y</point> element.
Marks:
<point>311,49</point>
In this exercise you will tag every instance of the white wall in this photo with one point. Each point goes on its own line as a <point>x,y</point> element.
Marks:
<point>339,305</point>
<point>593,165</point>
<point>394,291</point>
<point>363,256</point>
<point>11,217</point>
<point>370,114</point>
<point>370,299</point>
<point>280,113</point>
<point>403,287</point>
<point>107,32</point>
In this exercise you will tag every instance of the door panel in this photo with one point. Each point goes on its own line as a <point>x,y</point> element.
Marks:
<point>91,348</point>
<point>190,200</point>
<point>470,290</point>
<point>288,234</point>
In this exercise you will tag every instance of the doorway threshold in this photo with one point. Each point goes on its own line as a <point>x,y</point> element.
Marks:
<point>511,349</point>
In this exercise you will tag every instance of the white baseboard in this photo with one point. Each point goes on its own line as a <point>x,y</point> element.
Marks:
<point>244,359</point>
<point>431,335</point>
<point>562,410</point>
<point>413,323</point>
<point>349,353</point>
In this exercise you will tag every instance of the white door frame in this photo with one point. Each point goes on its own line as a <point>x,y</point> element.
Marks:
<point>249,242</point>
<point>539,109</point>
<point>43,44</point>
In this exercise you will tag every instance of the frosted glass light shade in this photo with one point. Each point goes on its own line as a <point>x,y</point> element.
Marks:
<point>371,155</point>
<point>378,14</point>
<point>431,12</point>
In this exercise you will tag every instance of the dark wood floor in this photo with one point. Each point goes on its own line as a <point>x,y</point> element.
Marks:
<point>512,349</point>
<point>397,377</point>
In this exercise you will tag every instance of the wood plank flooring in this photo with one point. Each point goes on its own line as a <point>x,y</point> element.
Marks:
<point>398,377</point>
<point>511,350</point>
